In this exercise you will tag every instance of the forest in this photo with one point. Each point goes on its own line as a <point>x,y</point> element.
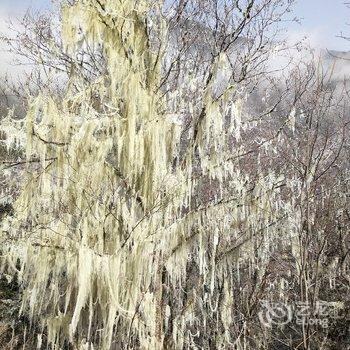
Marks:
<point>174,175</point>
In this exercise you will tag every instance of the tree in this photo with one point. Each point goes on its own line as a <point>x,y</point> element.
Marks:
<point>149,216</point>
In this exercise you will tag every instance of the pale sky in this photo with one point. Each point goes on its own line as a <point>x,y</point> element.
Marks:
<point>322,20</point>
<point>17,6</point>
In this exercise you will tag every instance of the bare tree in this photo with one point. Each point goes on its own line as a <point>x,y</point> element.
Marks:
<point>164,198</point>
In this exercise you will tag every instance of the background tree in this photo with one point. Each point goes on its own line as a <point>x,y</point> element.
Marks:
<point>163,197</point>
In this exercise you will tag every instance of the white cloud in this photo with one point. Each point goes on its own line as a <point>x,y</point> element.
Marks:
<point>316,37</point>
<point>8,62</point>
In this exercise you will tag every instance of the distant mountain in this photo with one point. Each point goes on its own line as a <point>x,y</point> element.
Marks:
<point>338,55</point>
<point>339,61</point>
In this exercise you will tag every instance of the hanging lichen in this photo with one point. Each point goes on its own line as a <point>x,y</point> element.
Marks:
<point>110,217</point>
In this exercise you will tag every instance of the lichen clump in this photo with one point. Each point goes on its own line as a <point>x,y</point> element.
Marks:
<point>107,222</point>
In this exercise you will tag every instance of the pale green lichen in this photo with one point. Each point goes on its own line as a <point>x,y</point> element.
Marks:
<point>102,213</point>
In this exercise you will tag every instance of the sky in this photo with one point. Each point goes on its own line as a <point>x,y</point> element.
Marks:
<point>17,6</point>
<point>321,20</point>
